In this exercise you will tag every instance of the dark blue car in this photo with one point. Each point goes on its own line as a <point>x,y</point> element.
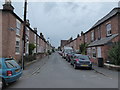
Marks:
<point>10,71</point>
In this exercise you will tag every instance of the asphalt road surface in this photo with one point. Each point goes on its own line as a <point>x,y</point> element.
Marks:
<point>58,73</point>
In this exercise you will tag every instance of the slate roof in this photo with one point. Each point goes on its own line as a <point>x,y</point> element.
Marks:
<point>109,15</point>
<point>103,41</point>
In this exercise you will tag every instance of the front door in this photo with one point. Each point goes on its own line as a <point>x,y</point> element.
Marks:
<point>99,52</point>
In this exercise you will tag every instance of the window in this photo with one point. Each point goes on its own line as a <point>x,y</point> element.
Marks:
<point>89,51</point>
<point>94,52</point>
<point>85,38</point>
<point>27,33</point>
<point>27,47</point>
<point>99,33</point>
<point>108,28</point>
<point>34,38</point>
<point>92,36</point>
<point>38,41</point>
<point>17,48</point>
<point>18,27</point>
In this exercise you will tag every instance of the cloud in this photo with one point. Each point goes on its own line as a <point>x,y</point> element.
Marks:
<point>49,6</point>
<point>1,2</point>
<point>59,20</point>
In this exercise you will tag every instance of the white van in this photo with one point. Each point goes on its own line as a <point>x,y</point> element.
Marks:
<point>66,50</point>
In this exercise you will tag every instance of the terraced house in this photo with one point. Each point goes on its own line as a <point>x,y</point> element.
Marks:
<point>11,30</point>
<point>101,36</point>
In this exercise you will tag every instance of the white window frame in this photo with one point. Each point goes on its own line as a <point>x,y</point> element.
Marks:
<point>18,27</point>
<point>27,33</point>
<point>92,35</point>
<point>99,52</point>
<point>89,51</point>
<point>99,33</point>
<point>85,37</point>
<point>109,29</point>
<point>17,46</point>
<point>35,38</point>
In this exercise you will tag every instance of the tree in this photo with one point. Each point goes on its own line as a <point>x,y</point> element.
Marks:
<point>83,48</point>
<point>114,54</point>
<point>31,48</point>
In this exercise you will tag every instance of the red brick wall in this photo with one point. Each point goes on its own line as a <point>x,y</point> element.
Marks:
<point>31,36</point>
<point>119,25</point>
<point>0,33</point>
<point>9,37</point>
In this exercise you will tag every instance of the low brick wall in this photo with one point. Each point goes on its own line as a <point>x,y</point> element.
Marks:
<point>40,55</point>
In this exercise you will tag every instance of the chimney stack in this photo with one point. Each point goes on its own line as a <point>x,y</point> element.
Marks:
<point>27,23</point>
<point>8,6</point>
<point>35,29</point>
<point>82,33</point>
<point>78,35</point>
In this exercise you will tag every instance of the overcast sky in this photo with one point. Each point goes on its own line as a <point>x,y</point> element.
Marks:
<point>62,20</point>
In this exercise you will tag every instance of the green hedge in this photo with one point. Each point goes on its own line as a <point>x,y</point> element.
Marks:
<point>114,54</point>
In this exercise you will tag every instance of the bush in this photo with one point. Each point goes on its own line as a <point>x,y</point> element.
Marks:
<point>29,58</point>
<point>114,54</point>
<point>31,48</point>
<point>83,48</point>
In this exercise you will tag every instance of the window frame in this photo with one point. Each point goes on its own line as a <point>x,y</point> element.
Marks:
<point>94,52</point>
<point>18,27</point>
<point>108,29</point>
<point>17,46</point>
<point>92,35</point>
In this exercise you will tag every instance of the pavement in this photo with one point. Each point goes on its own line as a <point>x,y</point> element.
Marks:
<point>106,72</point>
<point>55,72</point>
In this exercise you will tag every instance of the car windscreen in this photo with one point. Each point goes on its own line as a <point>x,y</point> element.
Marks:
<point>11,64</point>
<point>68,50</point>
<point>82,57</point>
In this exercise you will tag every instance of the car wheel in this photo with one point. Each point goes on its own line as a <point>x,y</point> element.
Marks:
<point>90,68</point>
<point>75,67</point>
<point>3,83</point>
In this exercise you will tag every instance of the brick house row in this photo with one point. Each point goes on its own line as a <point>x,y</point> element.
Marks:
<point>11,34</point>
<point>100,37</point>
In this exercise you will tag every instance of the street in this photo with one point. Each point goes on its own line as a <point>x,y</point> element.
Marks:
<point>58,73</point>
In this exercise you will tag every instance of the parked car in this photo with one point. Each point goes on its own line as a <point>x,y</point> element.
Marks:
<point>60,52</point>
<point>69,56</point>
<point>10,71</point>
<point>66,50</point>
<point>79,60</point>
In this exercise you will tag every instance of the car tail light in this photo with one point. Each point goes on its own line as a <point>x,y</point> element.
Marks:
<point>77,59</point>
<point>9,73</point>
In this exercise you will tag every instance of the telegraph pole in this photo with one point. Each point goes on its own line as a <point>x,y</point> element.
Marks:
<point>24,33</point>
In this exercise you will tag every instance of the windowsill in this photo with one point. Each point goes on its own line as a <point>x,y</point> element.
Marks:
<point>109,35</point>
<point>17,53</point>
<point>17,35</point>
<point>94,57</point>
